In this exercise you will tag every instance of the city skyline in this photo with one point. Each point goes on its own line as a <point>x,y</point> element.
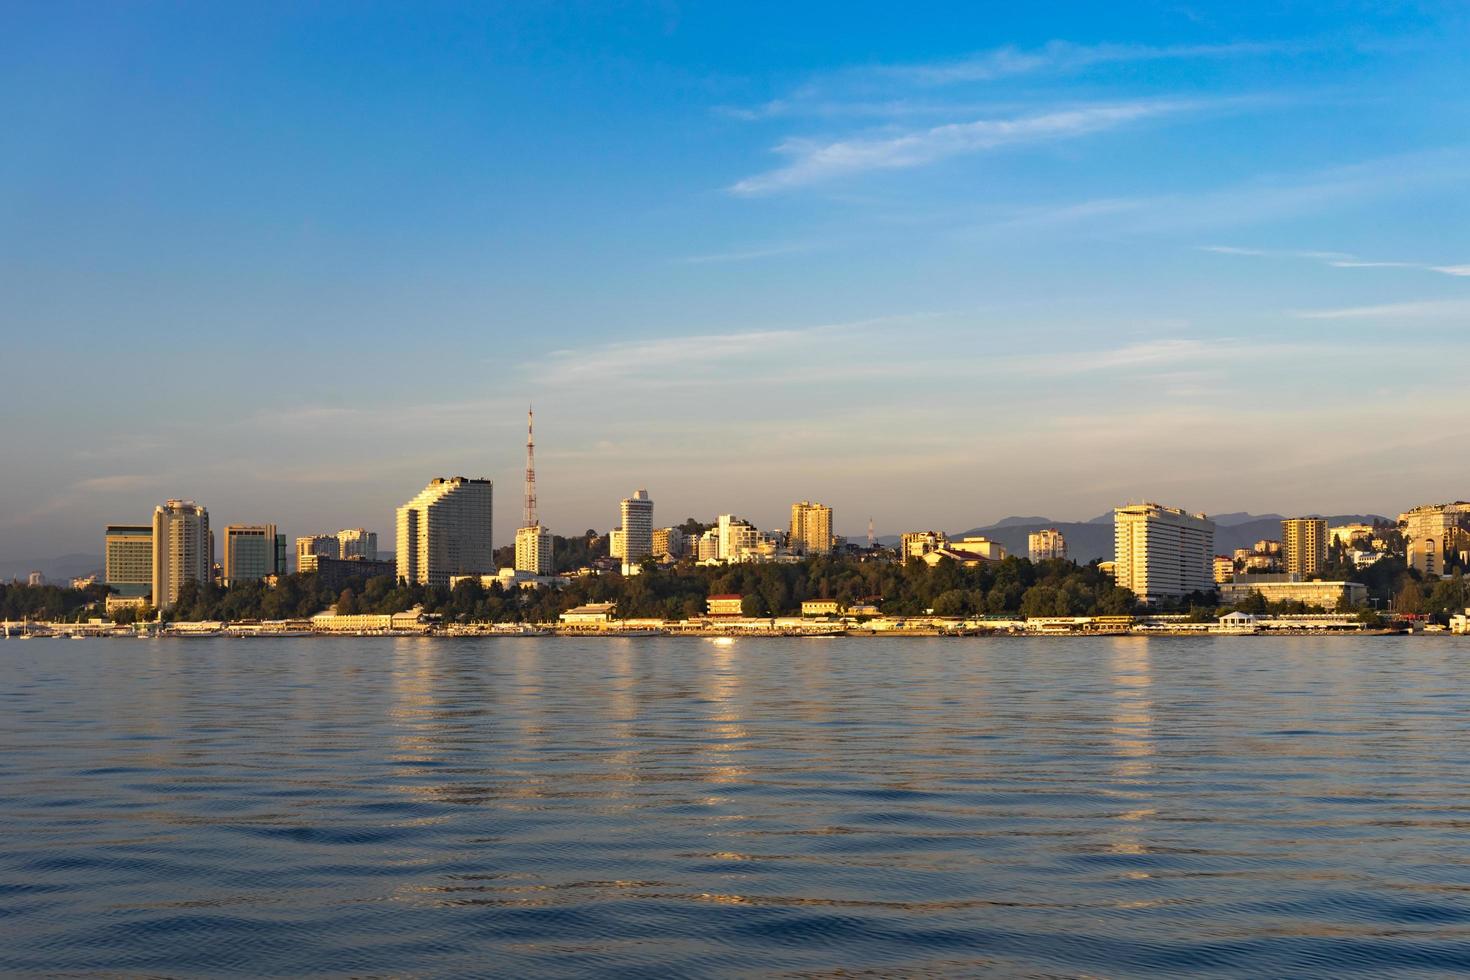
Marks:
<point>937,272</point>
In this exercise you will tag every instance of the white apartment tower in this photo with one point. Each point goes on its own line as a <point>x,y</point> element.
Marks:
<point>1046,544</point>
<point>637,527</point>
<point>357,542</point>
<point>534,550</point>
<point>183,549</point>
<point>445,531</point>
<point>1162,552</point>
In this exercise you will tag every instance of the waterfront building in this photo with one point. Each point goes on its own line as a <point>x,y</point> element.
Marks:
<point>917,544</point>
<point>590,614</point>
<point>534,550</point>
<point>1437,536</point>
<point>1304,545</point>
<point>446,530</point>
<point>1046,544</point>
<point>251,552</point>
<point>1224,568</point>
<point>637,514</point>
<point>668,541</point>
<point>811,529</point>
<point>128,566</point>
<point>728,605</point>
<point>1290,588</point>
<point>1162,552</point>
<point>820,607</point>
<point>357,542</point>
<point>183,549</point>
<point>315,546</point>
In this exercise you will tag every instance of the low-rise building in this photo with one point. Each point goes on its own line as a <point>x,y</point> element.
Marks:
<point>966,558</point>
<point>1289,588</point>
<point>725,605</point>
<point>1460,624</point>
<point>511,578</point>
<point>590,614</point>
<point>820,607</point>
<point>332,622</point>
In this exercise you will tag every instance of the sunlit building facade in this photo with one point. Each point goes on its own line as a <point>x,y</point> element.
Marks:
<point>446,530</point>
<point>1162,552</point>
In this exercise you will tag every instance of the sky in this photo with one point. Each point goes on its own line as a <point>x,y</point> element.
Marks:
<point>930,267</point>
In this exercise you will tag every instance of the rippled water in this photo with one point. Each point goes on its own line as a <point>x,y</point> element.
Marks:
<point>1101,806</point>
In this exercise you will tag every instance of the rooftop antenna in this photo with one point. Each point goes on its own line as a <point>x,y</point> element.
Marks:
<point>530,515</point>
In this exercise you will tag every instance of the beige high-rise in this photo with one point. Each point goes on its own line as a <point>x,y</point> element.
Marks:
<point>1436,535</point>
<point>811,529</point>
<point>534,550</point>
<point>446,530</point>
<point>1162,552</point>
<point>183,549</point>
<point>1046,544</point>
<point>1304,545</point>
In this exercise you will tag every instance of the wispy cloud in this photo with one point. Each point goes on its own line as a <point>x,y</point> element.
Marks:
<point>1338,260</point>
<point>1064,56</point>
<point>747,255</point>
<point>1264,199</point>
<point>814,162</point>
<point>1418,309</point>
<point>869,90</point>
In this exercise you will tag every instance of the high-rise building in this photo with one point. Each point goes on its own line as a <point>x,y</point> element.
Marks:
<point>357,542</point>
<point>1304,546</point>
<point>616,543</point>
<point>309,549</point>
<point>1046,544</point>
<point>708,548</point>
<point>917,544</point>
<point>637,527</point>
<point>446,530</point>
<point>1436,536</point>
<point>811,529</point>
<point>533,550</point>
<point>128,567</point>
<point>1162,552</point>
<point>668,541</point>
<point>252,551</point>
<point>183,549</point>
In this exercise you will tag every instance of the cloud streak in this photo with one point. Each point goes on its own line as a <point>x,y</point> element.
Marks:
<point>1338,260</point>
<point>813,162</point>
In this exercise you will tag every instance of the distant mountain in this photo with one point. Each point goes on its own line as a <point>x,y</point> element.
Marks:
<point>58,570</point>
<point>1022,521</point>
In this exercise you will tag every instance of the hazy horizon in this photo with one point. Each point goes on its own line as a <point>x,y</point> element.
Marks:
<point>931,269</point>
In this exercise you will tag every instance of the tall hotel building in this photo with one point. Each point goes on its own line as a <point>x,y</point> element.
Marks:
<point>445,531</point>
<point>252,551</point>
<point>128,567</point>
<point>1046,544</point>
<point>811,529</point>
<point>637,527</point>
<point>183,549</point>
<point>1162,552</point>
<point>1304,546</point>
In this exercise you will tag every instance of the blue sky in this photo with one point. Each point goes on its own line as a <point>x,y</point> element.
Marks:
<point>935,267</point>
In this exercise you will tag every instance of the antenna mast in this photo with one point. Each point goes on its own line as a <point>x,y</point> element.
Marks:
<point>871,539</point>
<point>530,515</point>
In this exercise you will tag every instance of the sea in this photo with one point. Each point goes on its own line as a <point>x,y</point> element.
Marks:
<point>650,806</point>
